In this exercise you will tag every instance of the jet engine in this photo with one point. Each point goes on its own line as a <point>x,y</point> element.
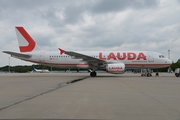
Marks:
<point>117,68</point>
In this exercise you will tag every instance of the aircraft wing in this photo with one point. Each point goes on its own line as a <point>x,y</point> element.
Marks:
<point>90,60</point>
<point>17,55</point>
<point>84,57</point>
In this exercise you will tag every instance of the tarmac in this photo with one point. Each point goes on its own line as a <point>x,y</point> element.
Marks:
<point>77,96</point>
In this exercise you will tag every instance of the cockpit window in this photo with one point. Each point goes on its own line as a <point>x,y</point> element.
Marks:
<point>161,56</point>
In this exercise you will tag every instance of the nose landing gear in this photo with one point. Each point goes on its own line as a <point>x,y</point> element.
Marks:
<point>146,72</point>
<point>93,74</point>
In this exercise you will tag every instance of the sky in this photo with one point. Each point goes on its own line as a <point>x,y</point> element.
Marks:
<point>90,25</point>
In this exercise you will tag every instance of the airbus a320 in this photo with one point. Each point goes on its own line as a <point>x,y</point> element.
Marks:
<point>111,61</point>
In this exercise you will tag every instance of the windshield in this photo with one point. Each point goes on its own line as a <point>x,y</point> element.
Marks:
<point>161,56</point>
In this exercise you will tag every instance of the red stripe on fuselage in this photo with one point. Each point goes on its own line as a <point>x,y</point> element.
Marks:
<point>86,65</point>
<point>31,42</point>
<point>148,65</point>
<point>57,63</point>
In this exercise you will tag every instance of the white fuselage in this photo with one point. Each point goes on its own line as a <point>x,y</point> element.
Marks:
<point>131,59</point>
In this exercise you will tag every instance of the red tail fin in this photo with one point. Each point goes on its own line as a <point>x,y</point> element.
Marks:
<point>26,43</point>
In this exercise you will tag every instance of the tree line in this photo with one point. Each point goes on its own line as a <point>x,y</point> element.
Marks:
<point>25,68</point>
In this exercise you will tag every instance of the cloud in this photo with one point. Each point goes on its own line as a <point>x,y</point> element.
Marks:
<point>92,25</point>
<point>104,6</point>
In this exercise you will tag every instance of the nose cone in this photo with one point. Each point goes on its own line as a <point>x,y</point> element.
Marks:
<point>169,62</point>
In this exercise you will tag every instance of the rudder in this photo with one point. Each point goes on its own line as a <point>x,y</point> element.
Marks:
<point>26,42</point>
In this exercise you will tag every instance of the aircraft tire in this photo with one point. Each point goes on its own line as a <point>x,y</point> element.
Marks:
<point>177,74</point>
<point>148,75</point>
<point>93,74</point>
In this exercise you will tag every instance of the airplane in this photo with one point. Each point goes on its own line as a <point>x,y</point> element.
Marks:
<point>39,70</point>
<point>114,62</point>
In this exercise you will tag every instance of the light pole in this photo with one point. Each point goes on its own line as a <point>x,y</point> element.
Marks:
<point>169,54</point>
<point>169,69</point>
<point>9,64</point>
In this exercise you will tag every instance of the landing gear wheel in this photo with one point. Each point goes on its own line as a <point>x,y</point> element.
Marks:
<point>149,75</point>
<point>177,74</point>
<point>93,74</point>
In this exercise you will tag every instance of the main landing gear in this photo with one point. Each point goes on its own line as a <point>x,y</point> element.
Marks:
<point>146,72</point>
<point>93,74</point>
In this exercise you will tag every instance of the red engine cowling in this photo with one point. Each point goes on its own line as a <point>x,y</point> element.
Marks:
<point>117,68</point>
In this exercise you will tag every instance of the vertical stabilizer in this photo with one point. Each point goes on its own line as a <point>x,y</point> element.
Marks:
<point>33,69</point>
<point>26,43</point>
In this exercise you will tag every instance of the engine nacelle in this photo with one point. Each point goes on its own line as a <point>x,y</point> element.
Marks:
<point>117,68</point>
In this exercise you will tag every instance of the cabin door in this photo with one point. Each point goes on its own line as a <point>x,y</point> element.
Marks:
<point>150,57</point>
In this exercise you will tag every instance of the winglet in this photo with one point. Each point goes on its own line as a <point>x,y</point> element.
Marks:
<point>61,51</point>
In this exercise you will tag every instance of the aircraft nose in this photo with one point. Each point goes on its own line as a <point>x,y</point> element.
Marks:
<point>168,61</point>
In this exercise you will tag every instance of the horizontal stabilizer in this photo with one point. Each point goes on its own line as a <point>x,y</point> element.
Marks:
<point>18,55</point>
